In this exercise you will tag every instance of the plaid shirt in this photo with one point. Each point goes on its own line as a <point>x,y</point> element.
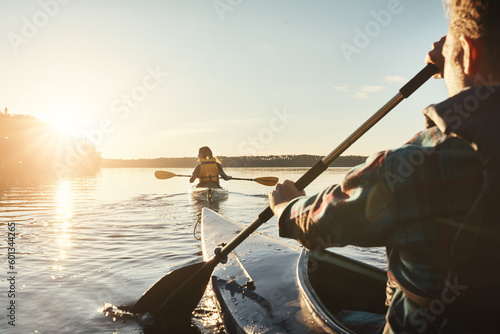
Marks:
<point>411,200</point>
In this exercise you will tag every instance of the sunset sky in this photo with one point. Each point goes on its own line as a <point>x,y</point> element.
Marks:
<point>160,78</point>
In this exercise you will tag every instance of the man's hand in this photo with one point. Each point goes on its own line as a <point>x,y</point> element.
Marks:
<point>281,195</point>
<point>435,56</point>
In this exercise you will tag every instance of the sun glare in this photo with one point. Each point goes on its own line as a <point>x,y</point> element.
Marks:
<point>65,121</point>
<point>66,125</point>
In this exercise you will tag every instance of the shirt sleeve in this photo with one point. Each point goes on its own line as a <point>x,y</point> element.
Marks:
<point>196,173</point>
<point>409,197</point>
<point>222,173</point>
<point>356,212</point>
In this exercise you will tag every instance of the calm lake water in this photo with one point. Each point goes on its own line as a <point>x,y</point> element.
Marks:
<point>106,238</point>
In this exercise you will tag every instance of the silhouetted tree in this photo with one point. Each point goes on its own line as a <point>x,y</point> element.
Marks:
<point>31,147</point>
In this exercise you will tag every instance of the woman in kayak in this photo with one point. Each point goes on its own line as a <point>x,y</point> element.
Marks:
<point>208,170</point>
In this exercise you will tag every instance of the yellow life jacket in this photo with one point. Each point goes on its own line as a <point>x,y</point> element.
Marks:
<point>208,171</point>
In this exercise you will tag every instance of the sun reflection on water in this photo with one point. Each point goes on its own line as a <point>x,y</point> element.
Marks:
<point>64,198</point>
<point>64,201</point>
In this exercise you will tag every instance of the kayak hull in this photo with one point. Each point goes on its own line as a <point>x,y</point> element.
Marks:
<point>266,287</point>
<point>206,194</point>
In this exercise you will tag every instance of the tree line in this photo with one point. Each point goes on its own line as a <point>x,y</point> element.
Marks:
<point>302,160</point>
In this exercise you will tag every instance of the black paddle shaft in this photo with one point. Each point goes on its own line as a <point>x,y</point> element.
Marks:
<point>322,164</point>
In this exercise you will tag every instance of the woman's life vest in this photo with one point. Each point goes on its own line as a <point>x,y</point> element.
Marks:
<point>209,171</point>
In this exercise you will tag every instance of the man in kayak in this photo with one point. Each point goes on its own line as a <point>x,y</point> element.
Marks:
<point>432,202</point>
<point>208,170</point>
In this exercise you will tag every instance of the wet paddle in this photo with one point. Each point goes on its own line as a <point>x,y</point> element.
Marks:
<point>179,292</point>
<point>266,180</point>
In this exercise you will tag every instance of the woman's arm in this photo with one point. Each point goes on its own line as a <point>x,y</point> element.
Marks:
<point>222,173</point>
<point>195,174</point>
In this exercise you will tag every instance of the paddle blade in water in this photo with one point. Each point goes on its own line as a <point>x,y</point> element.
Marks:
<point>267,181</point>
<point>162,175</point>
<point>178,292</point>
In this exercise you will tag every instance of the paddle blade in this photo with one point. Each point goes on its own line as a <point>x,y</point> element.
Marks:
<point>163,175</point>
<point>267,181</point>
<point>178,292</point>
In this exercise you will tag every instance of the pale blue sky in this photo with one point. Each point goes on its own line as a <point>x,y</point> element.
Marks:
<point>146,79</point>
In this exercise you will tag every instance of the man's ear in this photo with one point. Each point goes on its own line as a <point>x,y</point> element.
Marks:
<point>472,53</point>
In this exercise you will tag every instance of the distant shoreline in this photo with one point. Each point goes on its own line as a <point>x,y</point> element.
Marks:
<point>303,160</point>
<point>25,174</point>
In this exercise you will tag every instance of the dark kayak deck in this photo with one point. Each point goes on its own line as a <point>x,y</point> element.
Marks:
<point>270,286</point>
